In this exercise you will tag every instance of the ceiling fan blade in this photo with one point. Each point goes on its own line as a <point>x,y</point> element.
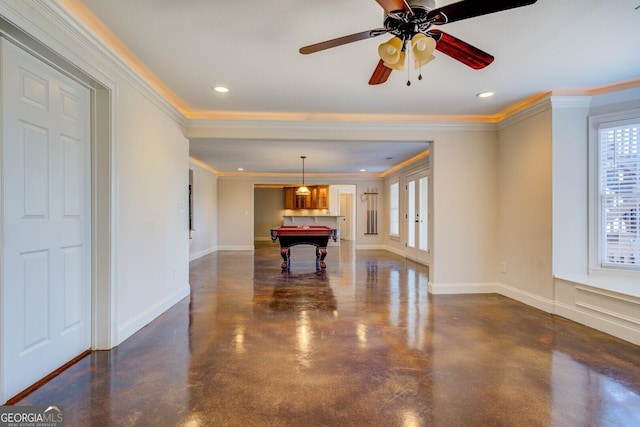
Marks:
<point>391,5</point>
<point>342,40</point>
<point>470,8</point>
<point>380,74</point>
<point>460,50</point>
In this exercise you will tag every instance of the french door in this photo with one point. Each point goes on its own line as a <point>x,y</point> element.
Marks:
<point>417,218</point>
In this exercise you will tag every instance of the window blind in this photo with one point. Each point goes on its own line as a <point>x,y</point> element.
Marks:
<point>620,196</point>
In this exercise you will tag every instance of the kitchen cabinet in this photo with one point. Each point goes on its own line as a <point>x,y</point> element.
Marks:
<point>317,199</point>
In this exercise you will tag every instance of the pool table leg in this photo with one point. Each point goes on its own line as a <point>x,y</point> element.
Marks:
<point>285,253</point>
<point>321,253</point>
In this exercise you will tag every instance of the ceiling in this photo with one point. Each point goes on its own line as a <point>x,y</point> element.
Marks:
<point>189,46</point>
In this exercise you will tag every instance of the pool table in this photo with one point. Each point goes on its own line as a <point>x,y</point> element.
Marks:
<point>291,235</point>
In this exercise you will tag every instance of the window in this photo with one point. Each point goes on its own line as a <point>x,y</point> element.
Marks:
<point>619,194</point>
<point>394,209</point>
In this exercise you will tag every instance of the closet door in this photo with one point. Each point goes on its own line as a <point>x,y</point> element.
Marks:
<point>46,222</point>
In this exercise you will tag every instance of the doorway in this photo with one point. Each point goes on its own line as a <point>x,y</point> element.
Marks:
<point>343,196</point>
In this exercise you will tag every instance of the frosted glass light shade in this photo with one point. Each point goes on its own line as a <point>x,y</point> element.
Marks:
<point>422,47</point>
<point>391,50</point>
<point>302,191</point>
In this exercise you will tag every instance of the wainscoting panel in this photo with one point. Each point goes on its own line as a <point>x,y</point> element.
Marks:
<point>607,311</point>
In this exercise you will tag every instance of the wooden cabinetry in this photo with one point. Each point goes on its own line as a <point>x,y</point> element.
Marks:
<point>289,197</point>
<point>323,197</point>
<point>317,199</point>
<point>293,201</point>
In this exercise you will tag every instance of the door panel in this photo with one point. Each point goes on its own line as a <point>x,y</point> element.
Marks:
<point>417,223</point>
<point>345,223</point>
<point>46,288</point>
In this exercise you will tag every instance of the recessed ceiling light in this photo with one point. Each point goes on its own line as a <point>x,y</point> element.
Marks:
<point>221,89</point>
<point>486,94</point>
<point>363,170</point>
<point>240,169</point>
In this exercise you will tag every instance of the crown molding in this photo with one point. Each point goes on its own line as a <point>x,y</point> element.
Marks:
<point>211,128</point>
<point>630,96</point>
<point>61,15</point>
<point>78,22</point>
<point>333,117</point>
<point>537,106</point>
<point>564,98</point>
<point>424,155</point>
<point>572,102</point>
<point>277,178</point>
<point>598,90</point>
<point>203,165</point>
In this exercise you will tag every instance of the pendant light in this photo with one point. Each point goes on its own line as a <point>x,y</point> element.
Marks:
<point>303,191</point>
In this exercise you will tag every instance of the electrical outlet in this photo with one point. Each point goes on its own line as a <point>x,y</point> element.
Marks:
<point>503,267</point>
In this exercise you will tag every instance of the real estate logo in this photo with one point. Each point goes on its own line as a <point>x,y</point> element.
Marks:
<point>31,416</point>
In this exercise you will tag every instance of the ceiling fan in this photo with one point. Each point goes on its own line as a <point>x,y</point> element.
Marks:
<point>410,22</point>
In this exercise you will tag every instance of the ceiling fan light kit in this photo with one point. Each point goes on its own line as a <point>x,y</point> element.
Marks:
<point>410,22</point>
<point>390,51</point>
<point>393,52</point>
<point>422,48</point>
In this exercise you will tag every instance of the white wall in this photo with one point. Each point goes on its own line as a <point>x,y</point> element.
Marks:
<point>570,185</point>
<point>235,214</point>
<point>204,237</point>
<point>543,216</point>
<point>153,233</point>
<point>524,214</point>
<point>268,211</point>
<point>363,240</point>
<point>464,209</point>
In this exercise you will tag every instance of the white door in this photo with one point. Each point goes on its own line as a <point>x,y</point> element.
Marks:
<point>346,206</point>
<point>46,291</point>
<point>417,216</point>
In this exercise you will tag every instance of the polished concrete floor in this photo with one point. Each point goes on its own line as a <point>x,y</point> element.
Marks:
<point>362,344</point>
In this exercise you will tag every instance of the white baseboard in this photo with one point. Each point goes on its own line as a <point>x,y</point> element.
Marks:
<point>600,315</point>
<point>396,251</point>
<point>600,323</point>
<point>133,325</point>
<point>525,297</point>
<point>371,248</point>
<point>612,312</point>
<point>519,295</point>
<point>200,254</point>
<point>236,248</point>
<point>461,288</point>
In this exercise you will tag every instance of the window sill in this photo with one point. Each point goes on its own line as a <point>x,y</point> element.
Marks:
<point>622,283</point>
